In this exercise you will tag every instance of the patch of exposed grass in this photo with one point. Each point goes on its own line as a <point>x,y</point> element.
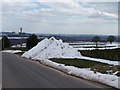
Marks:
<point>81,63</point>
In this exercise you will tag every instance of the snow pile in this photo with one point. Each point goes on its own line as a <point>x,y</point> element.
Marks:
<point>51,48</point>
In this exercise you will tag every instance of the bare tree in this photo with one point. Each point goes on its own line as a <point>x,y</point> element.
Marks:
<point>96,39</point>
<point>111,39</point>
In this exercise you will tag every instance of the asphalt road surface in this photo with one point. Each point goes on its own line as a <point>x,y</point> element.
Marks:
<point>22,73</point>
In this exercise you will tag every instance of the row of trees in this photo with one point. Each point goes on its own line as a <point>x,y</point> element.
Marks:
<point>33,40</point>
<point>97,39</point>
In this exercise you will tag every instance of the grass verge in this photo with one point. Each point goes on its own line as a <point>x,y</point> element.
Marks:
<point>93,65</point>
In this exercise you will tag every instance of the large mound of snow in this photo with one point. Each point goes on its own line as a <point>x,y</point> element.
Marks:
<point>51,48</point>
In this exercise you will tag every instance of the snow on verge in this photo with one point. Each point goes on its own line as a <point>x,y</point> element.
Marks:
<point>52,48</point>
<point>12,51</point>
<point>111,80</point>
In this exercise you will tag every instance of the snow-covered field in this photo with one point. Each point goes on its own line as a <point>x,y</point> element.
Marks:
<point>52,48</point>
<point>95,48</point>
<point>17,37</point>
<point>12,51</point>
<point>19,45</point>
<point>91,45</point>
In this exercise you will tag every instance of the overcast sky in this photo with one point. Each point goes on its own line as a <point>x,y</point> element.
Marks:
<point>61,17</point>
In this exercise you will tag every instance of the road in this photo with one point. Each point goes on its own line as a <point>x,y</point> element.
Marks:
<point>22,73</point>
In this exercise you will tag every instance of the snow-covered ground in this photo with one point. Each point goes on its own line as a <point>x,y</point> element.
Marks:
<point>95,48</point>
<point>19,45</point>
<point>17,37</point>
<point>12,51</point>
<point>52,48</point>
<point>91,45</point>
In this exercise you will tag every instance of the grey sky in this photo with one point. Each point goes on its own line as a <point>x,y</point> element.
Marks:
<point>61,17</point>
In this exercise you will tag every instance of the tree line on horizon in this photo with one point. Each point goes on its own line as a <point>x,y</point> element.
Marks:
<point>33,40</point>
<point>97,39</point>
